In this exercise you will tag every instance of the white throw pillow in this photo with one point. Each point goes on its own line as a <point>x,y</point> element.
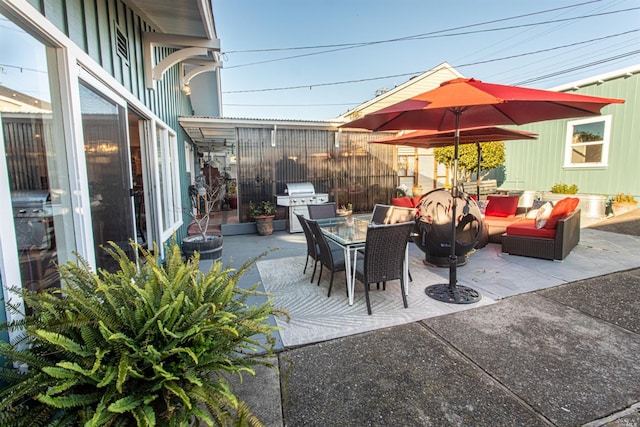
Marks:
<point>543,214</point>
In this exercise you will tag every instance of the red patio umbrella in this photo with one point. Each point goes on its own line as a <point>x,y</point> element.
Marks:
<point>474,103</point>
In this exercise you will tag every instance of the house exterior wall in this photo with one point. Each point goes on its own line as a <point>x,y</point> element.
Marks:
<point>75,41</point>
<point>91,25</point>
<point>538,165</point>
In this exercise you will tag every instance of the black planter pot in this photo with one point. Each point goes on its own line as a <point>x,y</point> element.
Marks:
<point>209,248</point>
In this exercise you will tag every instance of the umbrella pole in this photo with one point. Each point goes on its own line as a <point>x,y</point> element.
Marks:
<point>450,292</point>
<point>478,172</point>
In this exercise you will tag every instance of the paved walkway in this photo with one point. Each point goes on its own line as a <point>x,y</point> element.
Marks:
<point>564,356</point>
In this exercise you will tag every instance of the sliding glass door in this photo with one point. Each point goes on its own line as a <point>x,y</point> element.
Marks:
<point>104,124</point>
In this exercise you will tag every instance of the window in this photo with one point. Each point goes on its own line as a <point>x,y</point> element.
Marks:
<point>587,142</point>
<point>36,231</point>
<point>171,208</point>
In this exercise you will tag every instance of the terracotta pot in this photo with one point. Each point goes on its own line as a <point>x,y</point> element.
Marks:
<point>264,225</point>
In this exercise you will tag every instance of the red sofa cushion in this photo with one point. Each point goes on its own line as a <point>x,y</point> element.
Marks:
<point>415,200</point>
<point>561,209</point>
<point>404,202</point>
<point>503,206</point>
<point>527,227</point>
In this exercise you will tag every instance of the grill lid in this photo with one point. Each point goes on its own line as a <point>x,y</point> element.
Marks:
<point>297,188</point>
<point>29,198</point>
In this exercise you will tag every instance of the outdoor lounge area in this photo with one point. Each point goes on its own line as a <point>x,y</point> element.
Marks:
<point>493,273</point>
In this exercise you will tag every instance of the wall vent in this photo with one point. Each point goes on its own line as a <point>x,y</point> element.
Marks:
<point>121,44</point>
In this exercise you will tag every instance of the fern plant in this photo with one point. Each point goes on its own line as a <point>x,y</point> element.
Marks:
<point>147,345</point>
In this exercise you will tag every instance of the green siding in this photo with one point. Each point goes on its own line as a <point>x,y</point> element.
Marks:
<point>537,165</point>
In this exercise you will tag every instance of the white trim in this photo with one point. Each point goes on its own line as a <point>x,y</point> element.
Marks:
<point>8,244</point>
<point>604,159</point>
<point>599,79</point>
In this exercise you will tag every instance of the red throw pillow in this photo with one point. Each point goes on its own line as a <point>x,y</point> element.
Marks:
<point>561,209</point>
<point>404,202</point>
<point>501,206</point>
<point>415,200</point>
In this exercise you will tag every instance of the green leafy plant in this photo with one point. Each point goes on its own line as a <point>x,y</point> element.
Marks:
<point>493,156</point>
<point>564,189</point>
<point>624,198</point>
<point>148,345</point>
<point>263,208</point>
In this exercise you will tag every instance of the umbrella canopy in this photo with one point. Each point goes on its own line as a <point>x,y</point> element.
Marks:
<point>476,104</point>
<point>468,103</point>
<point>433,139</point>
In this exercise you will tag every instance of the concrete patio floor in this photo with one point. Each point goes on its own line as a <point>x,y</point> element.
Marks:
<point>560,349</point>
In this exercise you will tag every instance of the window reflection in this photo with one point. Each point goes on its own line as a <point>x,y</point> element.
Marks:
<point>33,145</point>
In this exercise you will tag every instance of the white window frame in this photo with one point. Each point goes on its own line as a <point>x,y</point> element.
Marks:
<point>605,142</point>
<point>167,173</point>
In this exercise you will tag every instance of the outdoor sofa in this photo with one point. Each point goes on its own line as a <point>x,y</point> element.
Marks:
<point>554,240</point>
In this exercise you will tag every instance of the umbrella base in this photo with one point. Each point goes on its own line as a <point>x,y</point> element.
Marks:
<point>453,295</point>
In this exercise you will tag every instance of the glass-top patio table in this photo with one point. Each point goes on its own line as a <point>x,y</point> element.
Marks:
<point>350,233</point>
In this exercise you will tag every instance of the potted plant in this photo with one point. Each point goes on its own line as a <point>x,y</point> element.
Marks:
<point>591,205</point>
<point>345,210</point>
<point>263,213</point>
<point>151,344</point>
<point>623,203</point>
<point>204,198</point>
<point>232,194</point>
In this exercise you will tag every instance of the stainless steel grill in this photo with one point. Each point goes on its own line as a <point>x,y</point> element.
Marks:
<point>298,196</point>
<point>32,214</point>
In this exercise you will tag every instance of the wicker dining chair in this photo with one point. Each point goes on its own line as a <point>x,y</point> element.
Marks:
<point>312,246</point>
<point>323,210</point>
<point>383,258</point>
<point>330,258</point>
<point>389,214</point>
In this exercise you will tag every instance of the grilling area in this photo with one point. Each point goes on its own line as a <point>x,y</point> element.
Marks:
<point>297,198</point>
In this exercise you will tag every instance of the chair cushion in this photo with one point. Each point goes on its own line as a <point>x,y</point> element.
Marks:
<point>404,202</point>
<point>543,214</point>
<point>561,209</point>
<point>527,227</point>
<point>503,206</point>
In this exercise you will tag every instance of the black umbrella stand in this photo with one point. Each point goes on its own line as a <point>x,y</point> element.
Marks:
<point>451,292</point>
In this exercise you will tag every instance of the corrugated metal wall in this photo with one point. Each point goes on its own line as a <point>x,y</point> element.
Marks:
<point>91,24</point>
<point>354,172</point>
<point>537,165</point>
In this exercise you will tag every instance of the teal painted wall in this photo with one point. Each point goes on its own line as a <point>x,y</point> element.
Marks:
<point>537,165</point>
<point>91,24</point>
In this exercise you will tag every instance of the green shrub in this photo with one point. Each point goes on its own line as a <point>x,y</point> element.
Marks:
<point>263,208</point>
<point>147,345</point>
<point>564,189</point>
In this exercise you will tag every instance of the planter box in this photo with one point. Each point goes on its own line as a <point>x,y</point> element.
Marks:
<point>592,205</point>
<point>623,207</point>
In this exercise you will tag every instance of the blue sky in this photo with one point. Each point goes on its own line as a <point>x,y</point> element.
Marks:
<point>244,25</point>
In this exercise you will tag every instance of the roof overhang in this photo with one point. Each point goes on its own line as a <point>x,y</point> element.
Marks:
<point>214,133</point>
<point>185,25</point>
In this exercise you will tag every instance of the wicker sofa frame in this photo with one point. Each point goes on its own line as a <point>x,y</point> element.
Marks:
<point>566,238</point>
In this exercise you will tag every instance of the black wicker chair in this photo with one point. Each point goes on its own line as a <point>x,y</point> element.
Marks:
<point>331,258</point>
<point>324,210</point>
<point>388,214</point>
<point>312,246</point>
<point>383,257</point>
